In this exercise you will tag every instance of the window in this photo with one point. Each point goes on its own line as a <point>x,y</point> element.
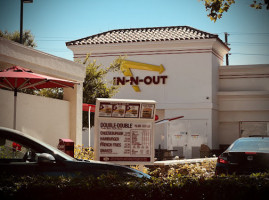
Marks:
<point>13,151</point>
<point>256,145</point>
<point>254,128</point>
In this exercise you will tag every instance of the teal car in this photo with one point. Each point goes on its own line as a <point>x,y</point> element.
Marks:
<point>245,156</point>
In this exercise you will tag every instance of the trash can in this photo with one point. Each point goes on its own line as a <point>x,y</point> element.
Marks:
<point>204,151</point>
<point>67,146</point>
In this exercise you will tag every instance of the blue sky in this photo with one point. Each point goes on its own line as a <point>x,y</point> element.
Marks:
<point>54,22</point>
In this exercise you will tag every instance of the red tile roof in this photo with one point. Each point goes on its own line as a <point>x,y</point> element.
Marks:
<point>152,34</point>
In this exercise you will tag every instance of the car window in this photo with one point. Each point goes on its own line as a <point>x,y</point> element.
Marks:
<point>254,145</point>
<point>14,151</point>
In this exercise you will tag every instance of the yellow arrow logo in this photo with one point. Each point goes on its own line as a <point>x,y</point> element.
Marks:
<point>127,65</point>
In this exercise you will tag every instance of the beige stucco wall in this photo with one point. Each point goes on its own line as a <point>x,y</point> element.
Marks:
<point>243,97</point>
<point>69,125</point>
<point>44,118</point>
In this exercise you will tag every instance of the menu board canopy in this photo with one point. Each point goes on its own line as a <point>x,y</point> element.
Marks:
<point>124,131</point>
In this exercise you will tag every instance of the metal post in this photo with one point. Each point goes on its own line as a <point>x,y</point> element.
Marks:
<point>226,42</point>
<point>21,18</point>
<point>89,118</point>
<point>21,22</point>
<point>15,108</point>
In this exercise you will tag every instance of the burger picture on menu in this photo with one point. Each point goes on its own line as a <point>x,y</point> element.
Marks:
<point>105,110</point>
<point>121,111</point>
<point>132,110</point>
<point>118,110</point>
<point>108,110</point>
<point>147,111</point>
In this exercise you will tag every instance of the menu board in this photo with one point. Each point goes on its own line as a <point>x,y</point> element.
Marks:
<point>124,131</point>
<point>125,141</point>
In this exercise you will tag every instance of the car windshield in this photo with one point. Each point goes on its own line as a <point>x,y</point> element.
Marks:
<point>251,145</point>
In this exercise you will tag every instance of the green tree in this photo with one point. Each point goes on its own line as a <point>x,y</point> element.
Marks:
<point>56,93</point>
<point>95,85</point>
<point>27,37</point>
<point>28,40</point>
<point>217,7</point>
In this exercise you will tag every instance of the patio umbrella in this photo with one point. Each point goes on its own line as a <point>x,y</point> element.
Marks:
<point>168,120</point>
<point>18,78</point>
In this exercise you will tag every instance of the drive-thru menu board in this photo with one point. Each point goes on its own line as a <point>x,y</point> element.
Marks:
<point>124,131</point>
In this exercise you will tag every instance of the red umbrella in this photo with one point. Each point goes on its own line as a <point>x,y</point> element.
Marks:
<point>168,120</point>
<point>85,107</point>
<point>18,78</point>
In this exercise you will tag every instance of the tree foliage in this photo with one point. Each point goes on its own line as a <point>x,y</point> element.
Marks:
<point>28,40</point>
<point>56,93</point>
<point>216,8</point>
<point>260,4</point>
<point>95,84</point>
<point>27,37</point>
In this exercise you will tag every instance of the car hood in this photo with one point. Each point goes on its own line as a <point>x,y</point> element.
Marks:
<point>99,167</point>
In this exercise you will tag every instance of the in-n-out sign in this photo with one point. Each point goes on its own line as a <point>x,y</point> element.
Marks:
<point>136,80</point>
<point>126,67</point>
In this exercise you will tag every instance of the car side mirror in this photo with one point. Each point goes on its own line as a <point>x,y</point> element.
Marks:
<point>45,158</point>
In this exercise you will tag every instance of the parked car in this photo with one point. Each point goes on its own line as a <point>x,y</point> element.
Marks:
<point>21,154</point>
<point>245,156</point>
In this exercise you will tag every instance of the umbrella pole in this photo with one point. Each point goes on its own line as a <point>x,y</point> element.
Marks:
<point>89,118</point>
<point>15,108</point>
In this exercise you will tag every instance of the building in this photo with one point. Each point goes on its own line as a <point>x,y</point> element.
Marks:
<point>44,118</point>
<point>180,68</point>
